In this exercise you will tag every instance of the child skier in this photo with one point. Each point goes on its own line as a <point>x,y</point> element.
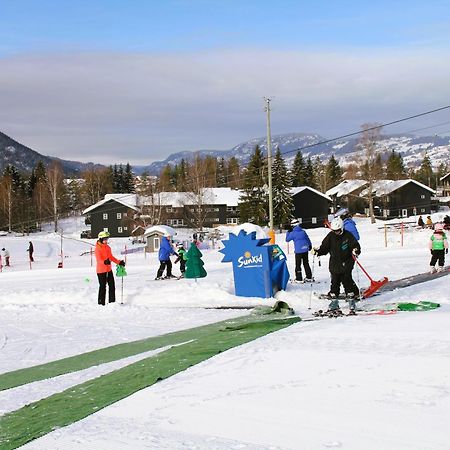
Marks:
<point>6,256</point>
<point>182,258</point>
<point>165,251</point>
<point>104,256</point>
<point>302,245</point>
<point>342,246</point>
<point>438,245</point>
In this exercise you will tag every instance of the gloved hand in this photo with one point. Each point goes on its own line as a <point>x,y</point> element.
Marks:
<point>107,262</point>
<point>446,250</point>
<point>431,251</point>
<point>315,251</point>
<point>121,263</point>
<point>355,252</point>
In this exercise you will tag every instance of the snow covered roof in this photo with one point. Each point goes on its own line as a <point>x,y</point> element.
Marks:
<point>444,177</point>
<point>385,187</point>
<point>163,229</point>
<point>210,196</point>
<point>128,200</point>
<point>247,227</point>
<point>346,187</point>
<point>296,190</point>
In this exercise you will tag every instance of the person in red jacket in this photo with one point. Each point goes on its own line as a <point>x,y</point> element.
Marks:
<point>104,256</point>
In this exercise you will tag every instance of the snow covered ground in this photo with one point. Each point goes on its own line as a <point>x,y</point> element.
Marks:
<point>367,382</point>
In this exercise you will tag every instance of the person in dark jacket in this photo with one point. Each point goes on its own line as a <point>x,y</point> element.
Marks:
<point>420,222</point>
<point>302,245</point>
<point>342,246</point>
<point>165,251</point>
<point>30,251</point>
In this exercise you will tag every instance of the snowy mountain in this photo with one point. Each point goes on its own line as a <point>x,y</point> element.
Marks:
<point>412,149</point>
<point>24,158</point>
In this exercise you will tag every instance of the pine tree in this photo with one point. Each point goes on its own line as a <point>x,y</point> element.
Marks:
<point>425,172</point>
<point>298,171</point>
<point>395,170</point>
<point>282,198</point>
<point>319,175</point>
<point>221,174</point>
<point>333,173</point>
<point>128,180</point>
<point>233,173</point>
<point>309,174</point>
<point>253,206</point>
<point>194,263</point>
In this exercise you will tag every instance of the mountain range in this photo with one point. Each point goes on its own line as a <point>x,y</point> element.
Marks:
<point>412,148</point>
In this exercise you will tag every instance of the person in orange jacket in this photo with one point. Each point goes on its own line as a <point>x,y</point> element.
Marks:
<point>104,256</point>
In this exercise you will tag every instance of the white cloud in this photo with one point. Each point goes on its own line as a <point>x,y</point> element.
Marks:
<point>117,107</point>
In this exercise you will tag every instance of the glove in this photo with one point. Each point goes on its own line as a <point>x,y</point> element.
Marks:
<point>315,251</point>
<point>355,252</point>
<point>121,263</point>
<point>446,250</point>
<point>107,262</point>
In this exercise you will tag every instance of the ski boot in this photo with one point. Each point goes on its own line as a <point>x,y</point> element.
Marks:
<point>352,312</point>
<point>334,313</point>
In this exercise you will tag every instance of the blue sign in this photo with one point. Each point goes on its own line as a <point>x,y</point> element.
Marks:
<point>258,269</point>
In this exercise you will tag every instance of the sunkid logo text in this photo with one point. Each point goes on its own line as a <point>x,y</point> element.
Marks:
<point>249,260</point>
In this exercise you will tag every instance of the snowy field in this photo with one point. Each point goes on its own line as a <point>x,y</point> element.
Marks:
<point>356,383</point>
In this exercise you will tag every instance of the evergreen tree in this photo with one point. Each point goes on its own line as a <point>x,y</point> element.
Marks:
<point>233,173</point>
<point>194,263</point>
<point>253,206</point>
<point>308,179</point>
<point>425,172</point>
<point>395,170</point>
<point>282,198</point>
<point>320,175</point>
<point>298,171</point>
<point>221,174</point>
<point>333,173</point>
<point>128,180</point>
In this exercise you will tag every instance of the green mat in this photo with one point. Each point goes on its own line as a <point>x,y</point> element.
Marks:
<point>113,353</point>
<point>420,306</point>
<point>75,403</point>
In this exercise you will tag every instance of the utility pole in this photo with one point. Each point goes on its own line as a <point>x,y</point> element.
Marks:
<point>269,169</point>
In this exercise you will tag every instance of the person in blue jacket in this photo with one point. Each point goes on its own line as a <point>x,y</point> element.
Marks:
<point>165,251</point>
<point>302,245</point>
<point>349,223</point>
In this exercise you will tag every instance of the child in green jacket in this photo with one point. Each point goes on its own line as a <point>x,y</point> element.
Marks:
<point>438,245</point>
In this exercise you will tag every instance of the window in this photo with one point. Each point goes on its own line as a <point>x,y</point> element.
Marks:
<point>385,213</point>
<point>119,215</point>
<point>313,219</point>
<point>119,229</point>
<point>175,222</point>
<point>232,221</point>
<point>156,243</point>
<point>105,216</point>
<point>169,209</point>
<point>422,196</point>
<point>105,229</point>
<point>422,210</point>
<point>231,208</point>
<point>125,228</point>
<point>404,213</point>
<point>387,199</point>
<point>124,214</point>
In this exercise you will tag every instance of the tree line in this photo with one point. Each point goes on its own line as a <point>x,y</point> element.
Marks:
<point>28,200</point>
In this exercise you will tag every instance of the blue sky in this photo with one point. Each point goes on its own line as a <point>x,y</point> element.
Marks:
<point>100,78</point>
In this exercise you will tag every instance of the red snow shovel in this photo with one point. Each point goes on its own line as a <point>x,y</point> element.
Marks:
<point>374,285</point>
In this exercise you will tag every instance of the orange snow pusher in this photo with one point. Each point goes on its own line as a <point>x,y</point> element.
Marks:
<point>374,285</point>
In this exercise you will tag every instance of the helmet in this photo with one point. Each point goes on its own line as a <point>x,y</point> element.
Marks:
<point>294,222</point>
<point>439,227</point>
<point>180,245</point>
<point>103,235</point>
<point>337,224</point>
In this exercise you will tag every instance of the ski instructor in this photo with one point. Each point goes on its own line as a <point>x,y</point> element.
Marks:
<point>302,245</point>
<point>342,246</point>
<point>104,256</point>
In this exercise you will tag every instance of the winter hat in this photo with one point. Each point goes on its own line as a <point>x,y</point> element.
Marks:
<point>103,235</point>
<point>439,227</point>
<point>337,224</point>
<point>295,221</point>
<point>3,249</point>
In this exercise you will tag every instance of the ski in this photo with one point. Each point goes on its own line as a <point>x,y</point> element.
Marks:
<point>318,315</point>
<point>293,281</point>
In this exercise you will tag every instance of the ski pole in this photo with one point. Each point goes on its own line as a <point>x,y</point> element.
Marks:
<point>121,295</point>
<point>312,278</point>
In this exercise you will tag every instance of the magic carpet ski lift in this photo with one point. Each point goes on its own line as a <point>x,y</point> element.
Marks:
<point>374,285</point>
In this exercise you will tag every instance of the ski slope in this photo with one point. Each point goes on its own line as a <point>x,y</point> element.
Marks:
<point>367,382</point>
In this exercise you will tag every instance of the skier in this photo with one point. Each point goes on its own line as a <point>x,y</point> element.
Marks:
<point>438,245</point>
<point>104,256</point>
<point>182,258</point>
<point>165,251</point>
<point>349,223</point>
<point>342,246</point>
<point>30,251</point>
<point>302,245</point>
<point>420,222</point>
<point>6,255</point>
<point>429,222</point>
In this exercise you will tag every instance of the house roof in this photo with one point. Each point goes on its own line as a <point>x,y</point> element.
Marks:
<point>162,229</point>
<point>119,198</point>
<point>385,187</point>
<point>444,177</point>
<point>296,190</point>
<point>346,187</point>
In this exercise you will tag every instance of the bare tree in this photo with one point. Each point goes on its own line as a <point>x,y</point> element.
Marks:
<point>369,159</point>
<point>6,195</point>
<point>55,186</point>
<point>97,183</point>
